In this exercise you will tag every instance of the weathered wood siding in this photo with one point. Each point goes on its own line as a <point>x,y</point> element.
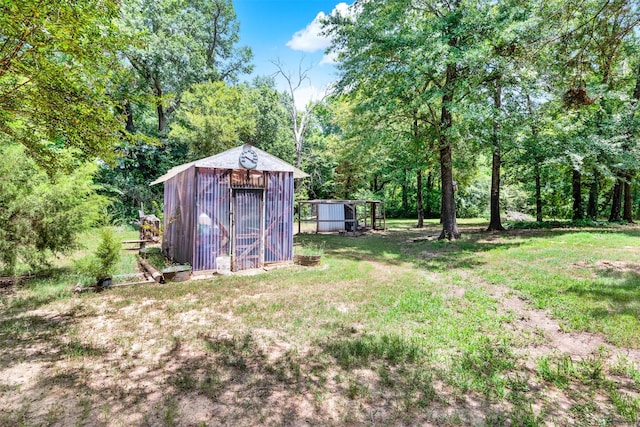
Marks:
<point>197,218</point>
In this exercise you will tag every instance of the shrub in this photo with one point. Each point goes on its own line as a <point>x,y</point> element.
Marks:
<point>107,254</point>
<point>41,214</point>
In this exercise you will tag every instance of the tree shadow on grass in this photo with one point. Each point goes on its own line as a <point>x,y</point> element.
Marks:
<point>420,248</point>
<point>48,286</point>
<point>622,296</point>
<point>235,382</point>
<point>40,338</point>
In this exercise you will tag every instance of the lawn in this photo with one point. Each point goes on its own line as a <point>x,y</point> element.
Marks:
<point>526,328</point>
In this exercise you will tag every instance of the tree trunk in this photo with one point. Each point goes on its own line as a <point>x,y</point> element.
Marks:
<point>627,213</point>
<point>494,205</point>
<point>428,207</point>
<point>495,223</point>
<point>616,202</point>
<point>129,113</point>
<point>592,206</point>
<point>448,215</point>
<point>162,118</point>
<point>420,202</point>
<point>449,223</point>
<point>536,165</point>
<point>405,193</point>
<point>536,169</point>
<point>576,182</point>
<point>299,155</point>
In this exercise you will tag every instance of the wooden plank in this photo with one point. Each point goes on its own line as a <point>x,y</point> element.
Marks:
<point>157,276</point>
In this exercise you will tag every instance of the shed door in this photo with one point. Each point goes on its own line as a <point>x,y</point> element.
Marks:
<point>248,229</point>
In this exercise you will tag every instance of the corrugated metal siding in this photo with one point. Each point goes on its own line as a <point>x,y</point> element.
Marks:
<point>279,217</point>
<point>330,217</point>
<point>177,241</point>
<point>248,225</point>
<point>212,213</point>
<point>199,240</point>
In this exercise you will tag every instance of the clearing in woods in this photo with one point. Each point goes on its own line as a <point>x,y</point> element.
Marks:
<point>527,327</point>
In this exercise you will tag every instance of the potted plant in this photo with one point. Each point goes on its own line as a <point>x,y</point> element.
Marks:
<point>106,257</point>
<point>309,255</point>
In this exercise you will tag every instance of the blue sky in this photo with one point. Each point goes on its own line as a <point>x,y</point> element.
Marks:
<point>287,30</point>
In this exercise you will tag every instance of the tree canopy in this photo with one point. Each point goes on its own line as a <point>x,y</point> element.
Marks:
<point>55,62</point>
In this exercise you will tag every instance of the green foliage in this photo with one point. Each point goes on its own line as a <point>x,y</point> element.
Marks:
<point>42,215</point>
<point>180,43</point>
<point>214,117</point>
<point>54,76</point>
<point>107,254</point>
<point>557,370</point>
<point>361,350</point>
<point>310,249</point>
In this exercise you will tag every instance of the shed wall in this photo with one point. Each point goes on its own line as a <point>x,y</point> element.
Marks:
<point>212,201</point>
<point>197,217</point>
<point>177,241</point>
<point>330,217</point>
<point>279,217</point>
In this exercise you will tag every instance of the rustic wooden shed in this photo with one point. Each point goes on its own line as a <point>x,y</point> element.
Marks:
<point>232,211</point>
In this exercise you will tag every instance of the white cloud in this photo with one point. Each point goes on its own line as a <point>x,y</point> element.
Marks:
<point>310,38</point>
<point>329,58</point>
<point>306,94</point>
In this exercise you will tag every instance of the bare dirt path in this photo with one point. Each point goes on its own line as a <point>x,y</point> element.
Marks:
<point>552,337</point>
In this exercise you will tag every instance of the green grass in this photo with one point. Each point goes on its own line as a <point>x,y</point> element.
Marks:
<point>579,276</point>
<point>388,329</point>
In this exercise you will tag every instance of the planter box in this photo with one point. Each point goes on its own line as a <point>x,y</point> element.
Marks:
<point>177,273</point>
<point>307,260</point>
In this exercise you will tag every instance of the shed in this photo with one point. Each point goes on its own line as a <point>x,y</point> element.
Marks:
<point>342,215</point>
<point>233,210</point>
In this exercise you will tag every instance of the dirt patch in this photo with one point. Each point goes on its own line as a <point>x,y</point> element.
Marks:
<point>618,267</point>
<point>551,336</point>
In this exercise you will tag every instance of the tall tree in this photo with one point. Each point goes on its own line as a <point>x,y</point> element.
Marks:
<point>433,45</point>
<point>299,119</point>
<point>214,117</point>
<point>182,42</point>
<point>495,223</point>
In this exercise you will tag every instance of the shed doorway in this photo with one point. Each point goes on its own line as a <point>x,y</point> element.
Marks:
<point>248,228</point>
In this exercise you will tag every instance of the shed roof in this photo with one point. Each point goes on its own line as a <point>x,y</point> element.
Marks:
<point>230,160</point>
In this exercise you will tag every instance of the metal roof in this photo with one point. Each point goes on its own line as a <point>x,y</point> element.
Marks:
<point>230,160</point>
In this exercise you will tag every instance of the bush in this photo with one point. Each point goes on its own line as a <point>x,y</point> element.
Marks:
<point>41,215</point>
<point>107,254</point>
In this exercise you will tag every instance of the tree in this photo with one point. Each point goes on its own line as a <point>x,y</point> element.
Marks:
<point>299,119</point>
<point>214,117</point>
<point>272,132</point>
<point>180,43</point>
<point>42,215</point>
<point>588,58</point>
<point>434,46</point>
<point>54,62</point>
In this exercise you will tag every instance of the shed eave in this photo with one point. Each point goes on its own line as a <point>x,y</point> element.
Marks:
<point>230,160</point>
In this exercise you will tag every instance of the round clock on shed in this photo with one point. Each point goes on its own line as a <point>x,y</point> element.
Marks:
<point>248,158</point>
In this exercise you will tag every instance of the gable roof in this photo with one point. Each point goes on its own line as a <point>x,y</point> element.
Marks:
<point>230,160</point>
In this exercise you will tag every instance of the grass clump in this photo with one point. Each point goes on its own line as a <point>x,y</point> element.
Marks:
<point>360,351</point>
<point>310,249</point>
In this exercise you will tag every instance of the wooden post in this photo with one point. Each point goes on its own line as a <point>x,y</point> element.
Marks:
<point>373,215</point>
<point>157,276</point>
